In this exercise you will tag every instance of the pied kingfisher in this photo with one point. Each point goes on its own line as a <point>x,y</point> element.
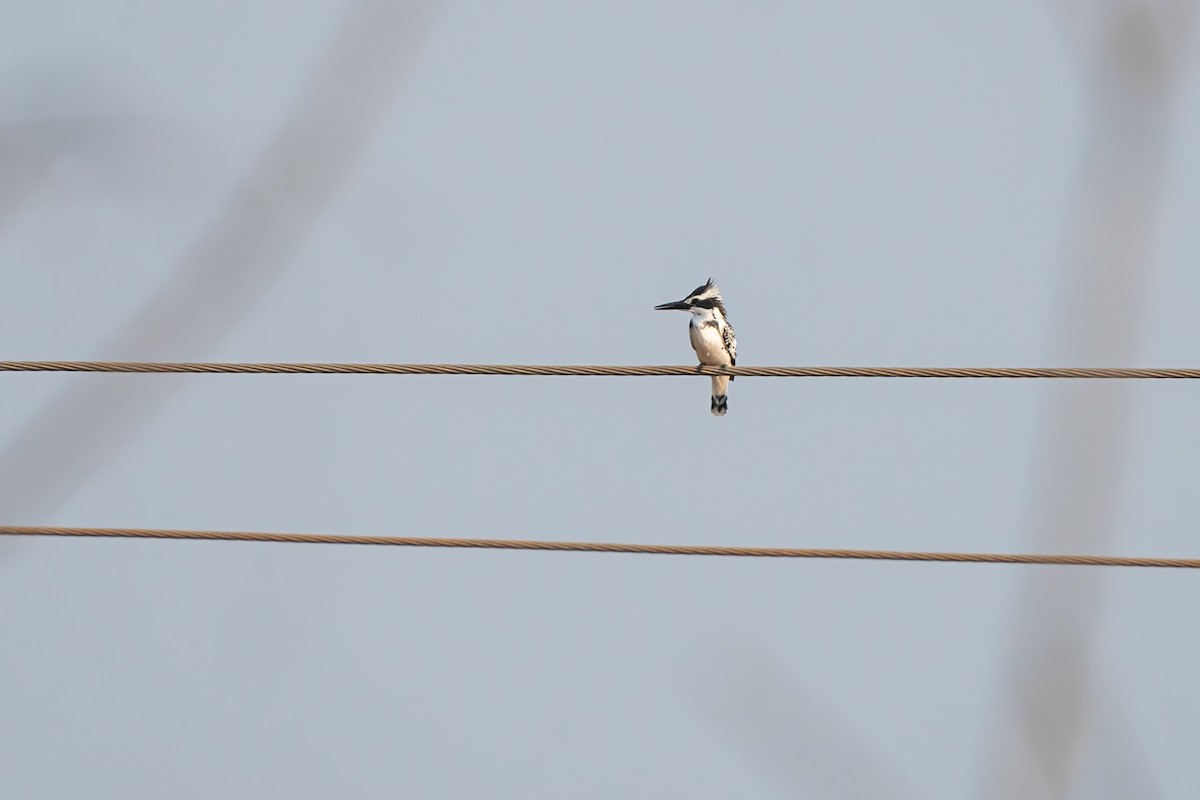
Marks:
<point>712,336</point>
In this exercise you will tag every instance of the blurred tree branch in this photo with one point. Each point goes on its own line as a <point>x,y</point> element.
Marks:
<point>1133,51</point>
<point>263,226</point>
<point>799,744</point>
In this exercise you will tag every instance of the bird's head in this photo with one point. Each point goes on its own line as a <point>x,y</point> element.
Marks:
<point>701,301</point>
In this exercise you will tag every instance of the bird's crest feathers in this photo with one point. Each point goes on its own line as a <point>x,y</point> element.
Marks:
<point>708,292</point>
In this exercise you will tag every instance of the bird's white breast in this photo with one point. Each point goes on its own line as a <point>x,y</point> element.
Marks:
<point>709,345</point>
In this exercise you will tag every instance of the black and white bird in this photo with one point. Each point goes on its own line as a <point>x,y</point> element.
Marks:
<point>712,337</point>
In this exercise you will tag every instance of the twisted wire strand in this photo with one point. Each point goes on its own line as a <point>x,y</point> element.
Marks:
<point>606,547</point>
<point>597,371</point>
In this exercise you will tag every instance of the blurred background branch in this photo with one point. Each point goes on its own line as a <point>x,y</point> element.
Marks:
<point>264,224</point>
<point>794,739</point>
<point>1132,51</point>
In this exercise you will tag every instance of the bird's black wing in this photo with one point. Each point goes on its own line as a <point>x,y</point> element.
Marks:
<point>730,340</point>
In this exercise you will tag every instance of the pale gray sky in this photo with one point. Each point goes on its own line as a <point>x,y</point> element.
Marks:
<point>883,184</point>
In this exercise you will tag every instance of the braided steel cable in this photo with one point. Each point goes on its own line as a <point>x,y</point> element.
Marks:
<point>138,367</point>
<point>606,547</point>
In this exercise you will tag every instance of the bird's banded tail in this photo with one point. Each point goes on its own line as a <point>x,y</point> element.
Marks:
<point>720,404</point>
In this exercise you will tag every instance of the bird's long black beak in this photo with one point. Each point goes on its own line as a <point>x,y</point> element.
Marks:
<point>678,305</point>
